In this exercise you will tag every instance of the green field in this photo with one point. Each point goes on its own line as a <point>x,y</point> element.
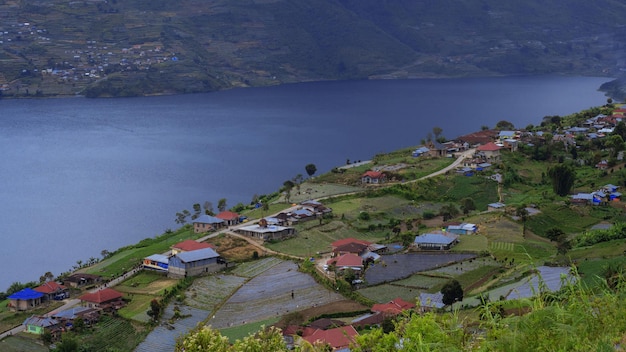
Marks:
<point>22,343</point>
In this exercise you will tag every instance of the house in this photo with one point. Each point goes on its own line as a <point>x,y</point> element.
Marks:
<point>89,315</point>
<point>266,232</point>
<point>316,207</point>
<point>81,280</point>
<point>462,228</point>
<point>25,299</point>
<point>157,262</point>
<point>491,151</point>
<point>496,206</point>
<point>337,338</point>
<point>346,261</point>
<point>206,223</point>
<point>195,263</point>
<point>105,299</point>
<point>344,241</point>
<point>52,290</point>
<point>602,165</point>
<point>392,308</point>
<point>431,301</point>
<point>352,247</point>
<point>189,245</point>
<point>437,149</point>
<point>373,177</point>
<point>230,218</point>
<point>37,325</point>
<point>436,241</point>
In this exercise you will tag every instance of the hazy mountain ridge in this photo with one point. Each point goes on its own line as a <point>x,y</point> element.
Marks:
<point>140,47</point>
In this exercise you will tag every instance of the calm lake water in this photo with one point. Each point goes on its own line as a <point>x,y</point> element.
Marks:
<point>79,175</point>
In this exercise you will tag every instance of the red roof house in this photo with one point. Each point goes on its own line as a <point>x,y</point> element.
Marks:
<point>337,338</point>
<point>229,217</point>
<point>190,245</point>
<point>343,241</point>
<point>51,289</point>
<point>491,150</point>
<point>394,307</point>
<point>105,298</point>
<point>347,260</point>
<point>374,177</point>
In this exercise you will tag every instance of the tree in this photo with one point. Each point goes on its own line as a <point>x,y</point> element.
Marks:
<point>522,213</point>
<point>437,132</point>
<point>204,338</point>
<point>504,125</point>
<point>221,204</point>
<point>562,177</point>
<point>467,205</point>
<point>310,169</point>
<point>104,253</point>
<point>448,211</point>
<point>616,143</point>
<point>67,344</point>
<point>452,292</point>
<point>208,208</point>
<point>155,310</point>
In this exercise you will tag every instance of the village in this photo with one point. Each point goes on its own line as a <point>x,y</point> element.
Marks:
<point>352,247</point>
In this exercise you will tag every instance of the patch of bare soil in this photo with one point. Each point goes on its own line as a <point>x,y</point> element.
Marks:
<point>233,248</point>
<point>314,312</point>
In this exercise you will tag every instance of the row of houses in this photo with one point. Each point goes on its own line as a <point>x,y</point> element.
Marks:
<point>605,194</point>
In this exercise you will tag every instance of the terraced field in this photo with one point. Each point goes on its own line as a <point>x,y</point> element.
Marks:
<point>270,295</point>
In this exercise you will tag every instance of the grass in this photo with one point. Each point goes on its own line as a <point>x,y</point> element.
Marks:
<point>241,331</point>
<point>112,333</point>
<point>472,243</point>
<point>22,343</point>
<point>387,292</point>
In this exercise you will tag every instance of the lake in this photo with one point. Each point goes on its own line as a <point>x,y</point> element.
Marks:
<point>80,175</point>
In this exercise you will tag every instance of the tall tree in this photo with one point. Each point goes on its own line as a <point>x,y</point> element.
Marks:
<point>221,204</point>
<point>562,177</point>
<point>452,292</point>
<point>448,211</point>
<point>208,208</point>
<point>437,132</point>
<point>522,213</point>
<point>467,205</point>
<point>311,169</point>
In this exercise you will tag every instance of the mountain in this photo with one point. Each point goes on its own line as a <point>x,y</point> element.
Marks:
<point>141,47</point>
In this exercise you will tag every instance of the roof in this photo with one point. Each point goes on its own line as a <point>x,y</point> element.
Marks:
<point>159,258</point>
<point>432,300</point>
<point>337,338</point>
<point>325,323</point>
<point>72,313</point>
<point>191,245</point>
<point>436,238</point>
<point>373,174</point>
<point>101,296</point>
<point>489,147</point>
<point>351,247</point>
<point>227,215</point>
<point>496,205</point>
<point>259,229</point>
<point>49,287</point>
<point>26,294</point>
<point>349,240</point>
<point>44,322</point>
<point>207,219</point>
<point>463,226</point>
<point>347,259</point>
<point>199,254</point>
<point>395,306</point>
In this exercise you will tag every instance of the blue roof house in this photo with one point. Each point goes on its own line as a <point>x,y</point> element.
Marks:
<point>194,263</point>
<point>436,241</point>
<point>205,223</point>
<point>25,299</point>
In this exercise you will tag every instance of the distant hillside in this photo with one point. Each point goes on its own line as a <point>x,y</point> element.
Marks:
<point>140,47</point>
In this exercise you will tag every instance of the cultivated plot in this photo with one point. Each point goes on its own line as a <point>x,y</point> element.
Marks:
<point>399,266</point>
<point>276,292</point>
